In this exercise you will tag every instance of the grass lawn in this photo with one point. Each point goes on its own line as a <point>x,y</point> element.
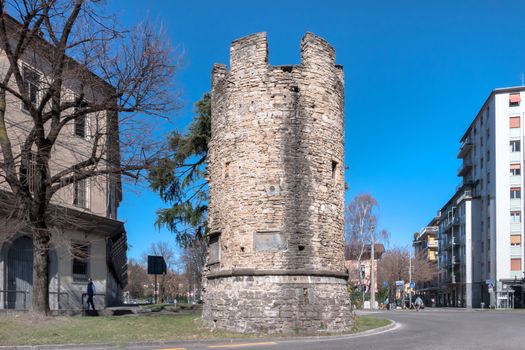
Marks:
<point>365,323</point>
<point>24,330</point>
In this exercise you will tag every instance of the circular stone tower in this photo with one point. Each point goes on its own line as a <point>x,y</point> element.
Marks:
<point>276,176</point>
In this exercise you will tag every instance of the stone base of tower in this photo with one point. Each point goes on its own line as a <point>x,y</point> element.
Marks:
<point>277,304</point>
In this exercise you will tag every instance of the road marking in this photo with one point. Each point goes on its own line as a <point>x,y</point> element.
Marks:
<point>173,349</point>
<point>241,345</point>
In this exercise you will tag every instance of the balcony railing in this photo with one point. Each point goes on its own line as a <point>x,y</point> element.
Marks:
<point>432,244</point>
<point>464,169</point>
<point>465,148</point>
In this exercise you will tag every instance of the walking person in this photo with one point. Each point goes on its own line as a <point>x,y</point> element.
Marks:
<point>419,303</point>
<point>90,293</point>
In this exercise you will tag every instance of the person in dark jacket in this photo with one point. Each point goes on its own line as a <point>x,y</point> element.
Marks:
<point>90,293</point>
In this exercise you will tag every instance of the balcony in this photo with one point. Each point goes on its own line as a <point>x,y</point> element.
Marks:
<point>465,148</point>
<point>515,227</point>
<point>464,169</point>
<point>432,244</point>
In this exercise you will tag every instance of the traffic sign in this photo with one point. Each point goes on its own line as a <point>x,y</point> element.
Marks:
<point>400,283</point>
<point>412,285</point>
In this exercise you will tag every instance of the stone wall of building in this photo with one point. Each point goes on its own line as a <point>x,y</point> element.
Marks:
<point>276,179</point>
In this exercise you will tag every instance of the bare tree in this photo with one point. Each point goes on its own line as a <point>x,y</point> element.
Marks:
<point>361,231</point>
<point>395,265</point>
<point>137,279</point>
<point>169,254</point>
<point>423,270</point>
<point>165,250</point>
<point>87,68</point>
<point>194,260</point>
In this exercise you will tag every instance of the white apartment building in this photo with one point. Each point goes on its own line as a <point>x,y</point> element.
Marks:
<point>481,228</point>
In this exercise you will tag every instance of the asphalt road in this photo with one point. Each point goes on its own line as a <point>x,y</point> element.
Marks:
<point>430,329</point>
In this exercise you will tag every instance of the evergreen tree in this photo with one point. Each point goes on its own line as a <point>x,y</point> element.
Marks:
<point>179,179</point>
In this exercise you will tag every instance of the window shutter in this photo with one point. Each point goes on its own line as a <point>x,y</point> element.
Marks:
<point>515,264</point>
<point>514,122</point>
<point>514,98</point>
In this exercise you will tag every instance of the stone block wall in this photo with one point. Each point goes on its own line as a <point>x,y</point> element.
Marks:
<point>276,176</point>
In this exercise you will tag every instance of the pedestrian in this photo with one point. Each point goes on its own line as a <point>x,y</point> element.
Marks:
<point>90,293</point>
<point>419,303</point>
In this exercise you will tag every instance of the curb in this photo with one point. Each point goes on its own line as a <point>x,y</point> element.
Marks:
<point>104,346</point>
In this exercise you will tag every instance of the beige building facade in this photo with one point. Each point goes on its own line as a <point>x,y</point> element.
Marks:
<point>88,240</point>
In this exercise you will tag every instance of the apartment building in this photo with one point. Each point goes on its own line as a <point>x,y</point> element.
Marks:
<point>426,246</point>
<point>88,240</point>
<point>480,227</point>
<point>363,266</point>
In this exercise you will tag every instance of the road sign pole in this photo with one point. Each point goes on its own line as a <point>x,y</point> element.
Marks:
<point>155,289</point>
<point>410,279</point>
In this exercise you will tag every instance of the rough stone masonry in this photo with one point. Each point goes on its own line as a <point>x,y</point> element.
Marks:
<point>276,177</point>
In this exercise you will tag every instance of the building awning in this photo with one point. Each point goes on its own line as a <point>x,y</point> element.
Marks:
<point>515,98</point>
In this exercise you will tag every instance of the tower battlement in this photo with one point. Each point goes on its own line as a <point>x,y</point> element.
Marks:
<point>276,179</point>
<point>251,53</point>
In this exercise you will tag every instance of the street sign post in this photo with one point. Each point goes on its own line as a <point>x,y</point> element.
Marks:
<point>156,266</point>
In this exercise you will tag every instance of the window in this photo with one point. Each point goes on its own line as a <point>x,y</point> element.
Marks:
<point>32,84</point>
<point>334,170</point>
<point>514,122</point>
<point>488,133</point>
<point>81,253</point>
<point>514,100</point>
<point>81,194</point>
<point>515,192</point>
<point>214,248</point>
<point>515,264</point>
<point>488,156</point>
<point>226,170</point>
<point>80,126</point>
<point>515,240</point>
<point>481,163</point>
<point>515,216</point>
<point>31,177</point>
<point>488,177</point>
<point>515,145</point>
<point>515,169</point>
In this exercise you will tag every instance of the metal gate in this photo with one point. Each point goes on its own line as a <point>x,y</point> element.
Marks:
<point>20,274</point>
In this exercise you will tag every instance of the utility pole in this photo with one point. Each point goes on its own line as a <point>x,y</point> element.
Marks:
<point>410,278</point>
<point>372,274</point>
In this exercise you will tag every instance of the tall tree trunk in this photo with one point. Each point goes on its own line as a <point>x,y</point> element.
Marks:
<point>41,239</point>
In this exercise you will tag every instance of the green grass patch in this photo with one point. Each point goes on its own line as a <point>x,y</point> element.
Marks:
<point>365,323</point>
<point>23,330</point>
<point>26,330</point>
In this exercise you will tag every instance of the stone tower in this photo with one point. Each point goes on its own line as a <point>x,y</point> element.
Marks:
<point>276,176</point>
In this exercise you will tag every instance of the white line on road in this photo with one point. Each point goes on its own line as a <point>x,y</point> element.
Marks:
<point>242,345</point>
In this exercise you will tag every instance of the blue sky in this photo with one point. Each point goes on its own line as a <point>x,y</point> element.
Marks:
<point>417,73</point>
